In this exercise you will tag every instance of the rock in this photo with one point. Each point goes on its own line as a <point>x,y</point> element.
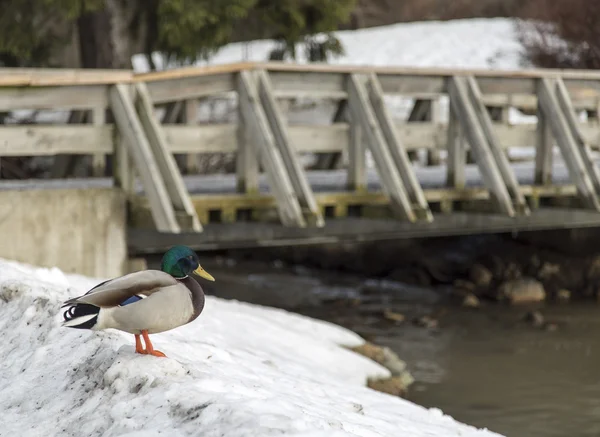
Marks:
<point>480,276</point>
<point>395,386</point>
<point>563,295</point>
<point>535,318</point>
<point>471,301</point>
<point>548,270</point>
<point>460,285</point>
<point>593,271</point>
<point>512,271</point>
<point>384,356</point>
<point>525,290</point>
<point>394,317</point>
<point>426,322</point>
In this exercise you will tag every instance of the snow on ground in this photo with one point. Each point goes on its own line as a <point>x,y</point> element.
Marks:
<point>468,43</point>
<point>238,370</point>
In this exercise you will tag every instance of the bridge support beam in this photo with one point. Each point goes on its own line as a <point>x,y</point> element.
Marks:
<point>366,104</point>
<point>465,101</point>
<point>288,205</point>
<point>169,171</point>
<point>306,198</point>
<point>556,106</point>
<point>131,128</point>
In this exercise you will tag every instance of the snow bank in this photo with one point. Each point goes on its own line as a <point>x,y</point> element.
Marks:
<point>238,370</point>
<point>468,43</point>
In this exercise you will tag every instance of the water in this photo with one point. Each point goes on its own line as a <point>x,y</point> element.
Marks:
<point>486,367</point>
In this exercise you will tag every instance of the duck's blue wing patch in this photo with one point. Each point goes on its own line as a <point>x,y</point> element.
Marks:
<point>133,299</point>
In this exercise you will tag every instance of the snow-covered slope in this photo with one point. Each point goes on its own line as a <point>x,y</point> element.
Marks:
<point>239,370</point>
<point>470,43</point>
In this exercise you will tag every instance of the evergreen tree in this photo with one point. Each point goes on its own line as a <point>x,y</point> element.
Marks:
<point>109,32</point>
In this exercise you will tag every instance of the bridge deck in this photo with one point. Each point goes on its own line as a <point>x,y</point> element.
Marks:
<point>252,234</point>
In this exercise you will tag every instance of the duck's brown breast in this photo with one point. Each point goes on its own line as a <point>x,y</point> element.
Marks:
<point>197,293</point>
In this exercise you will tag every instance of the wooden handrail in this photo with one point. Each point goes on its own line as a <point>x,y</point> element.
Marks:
<point>11,77</point>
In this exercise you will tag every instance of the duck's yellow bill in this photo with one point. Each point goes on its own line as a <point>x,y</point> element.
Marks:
<point>203,273</point>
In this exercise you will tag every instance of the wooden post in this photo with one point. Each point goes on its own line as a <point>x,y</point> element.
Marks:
<point>99,160</point>
<point>124,171</point>
<point>357,159</point>
<point>543,149</point>
<point>190,116</point>
<point>457,153</point>
<point>246,160</point>
<point>433,155</point>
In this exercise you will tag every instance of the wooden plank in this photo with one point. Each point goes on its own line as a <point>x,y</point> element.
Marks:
<point>510,181</point>
<point>166,164</point>
<point>140,150</point>
<point>398,154</point>
<point>543,149</point>
<point>457,154</point>
<point>99,159</point>
<point>221,138</point>
<point>66,97</point>
<point>324,85</point>
<point>566,143</point>
<point>35,140</point>
<point>362,112</point>
<point>290,212</point>
<point>162,91</point>
<point>287,151</point>
<point>473,131</point>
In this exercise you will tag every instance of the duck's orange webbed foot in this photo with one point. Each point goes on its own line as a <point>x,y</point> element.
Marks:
<point>149,348</point>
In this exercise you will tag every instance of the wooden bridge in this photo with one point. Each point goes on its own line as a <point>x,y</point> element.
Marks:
<point>153,131</point>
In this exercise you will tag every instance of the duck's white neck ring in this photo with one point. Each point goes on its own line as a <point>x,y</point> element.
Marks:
<point>183,277</point>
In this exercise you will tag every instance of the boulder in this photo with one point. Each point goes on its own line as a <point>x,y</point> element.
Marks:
<point>480,276</point>
<point>471,301</point>
<point>524,290</point>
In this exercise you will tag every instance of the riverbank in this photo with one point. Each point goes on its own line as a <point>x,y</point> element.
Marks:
<point>553,266</point>
<point>240,369</point>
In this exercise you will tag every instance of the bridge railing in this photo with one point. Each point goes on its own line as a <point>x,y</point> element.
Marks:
<point>266,129</point>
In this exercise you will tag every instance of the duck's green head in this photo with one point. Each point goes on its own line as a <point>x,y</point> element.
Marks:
<point>181,261</point>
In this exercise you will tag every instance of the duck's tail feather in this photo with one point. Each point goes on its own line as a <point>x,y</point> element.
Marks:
<point>81,316</point>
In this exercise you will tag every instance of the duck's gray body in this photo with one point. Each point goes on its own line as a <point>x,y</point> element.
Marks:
<point>150,300</point>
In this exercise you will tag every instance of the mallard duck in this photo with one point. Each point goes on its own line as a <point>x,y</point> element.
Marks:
<point>145,302</point>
